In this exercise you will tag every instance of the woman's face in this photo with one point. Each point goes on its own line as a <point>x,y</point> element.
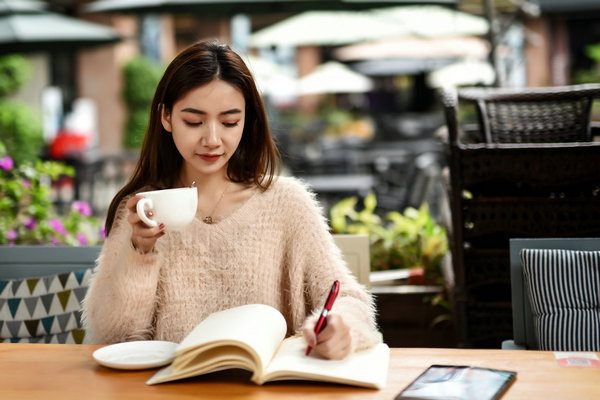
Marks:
<point>207,125</point>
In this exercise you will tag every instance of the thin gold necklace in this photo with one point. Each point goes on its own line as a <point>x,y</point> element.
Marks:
<point>208,219</point>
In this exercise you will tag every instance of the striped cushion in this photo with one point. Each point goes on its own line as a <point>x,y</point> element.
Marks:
<point>564,292</point>
<point>44,309</point>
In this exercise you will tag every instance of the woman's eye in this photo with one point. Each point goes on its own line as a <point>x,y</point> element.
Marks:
<point>231,124</point>
<point>193,123</point>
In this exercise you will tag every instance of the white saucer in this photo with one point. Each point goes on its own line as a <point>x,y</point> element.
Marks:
<point>141,354</point>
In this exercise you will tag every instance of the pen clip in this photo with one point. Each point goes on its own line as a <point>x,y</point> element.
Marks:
<point>332,295</point>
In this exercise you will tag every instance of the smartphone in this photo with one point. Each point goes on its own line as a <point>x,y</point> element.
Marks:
<point>458,382</point>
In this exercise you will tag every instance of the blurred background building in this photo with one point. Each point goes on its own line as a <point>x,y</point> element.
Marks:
<point>350,86</point>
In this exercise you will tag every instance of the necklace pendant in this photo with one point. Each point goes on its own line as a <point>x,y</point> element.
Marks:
<point>208,220</point>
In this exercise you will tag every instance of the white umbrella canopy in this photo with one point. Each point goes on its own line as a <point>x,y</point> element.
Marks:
<point>325,28</point>
<point>347,27</point>
<point>232,7</point>
<point>25,26</point>
<point>272,79</point>
<point>463,73</point>
<point>333,77</point>
<point>13,6</point>
<point>435,21</point>
<point>416,47</point>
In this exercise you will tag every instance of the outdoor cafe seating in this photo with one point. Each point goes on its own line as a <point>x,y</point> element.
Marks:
<point>499,191</point>
<point>554,297</point>
<point>526,167</point>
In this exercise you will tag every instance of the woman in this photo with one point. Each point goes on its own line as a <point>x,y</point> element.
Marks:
<point>257,238</point>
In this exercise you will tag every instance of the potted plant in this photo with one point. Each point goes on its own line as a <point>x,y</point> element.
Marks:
<point>411,240</point>
<point>413,310</point>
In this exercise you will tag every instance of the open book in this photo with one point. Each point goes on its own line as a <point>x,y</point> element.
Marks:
<point>251,337</point>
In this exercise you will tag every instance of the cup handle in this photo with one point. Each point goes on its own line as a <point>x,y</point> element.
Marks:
<point>141,207</point>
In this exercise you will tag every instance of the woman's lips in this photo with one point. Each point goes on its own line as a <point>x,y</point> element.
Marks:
<point>209,157</point>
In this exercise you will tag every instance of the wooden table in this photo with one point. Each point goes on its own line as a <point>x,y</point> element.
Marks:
<point>62,371</point>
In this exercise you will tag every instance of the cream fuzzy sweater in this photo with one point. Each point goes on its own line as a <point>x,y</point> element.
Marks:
<point>274,249</point>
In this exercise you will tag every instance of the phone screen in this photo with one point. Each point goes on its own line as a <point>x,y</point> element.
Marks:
<point>458,383</point>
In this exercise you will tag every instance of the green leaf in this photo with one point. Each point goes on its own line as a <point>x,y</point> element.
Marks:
<point>370,202</point>
<point>401,240</point>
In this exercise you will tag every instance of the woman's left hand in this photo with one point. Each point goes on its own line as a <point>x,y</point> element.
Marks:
<point>333,342</point>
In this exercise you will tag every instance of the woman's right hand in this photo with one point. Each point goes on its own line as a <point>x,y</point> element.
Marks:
<point>143,237</point>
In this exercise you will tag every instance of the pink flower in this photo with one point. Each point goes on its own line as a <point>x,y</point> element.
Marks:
<point>103,232</point>
<point>54,241</point>
<point>26,183</point>
<point>82,207</point>
<point>30,223</point>
<point>6,163</point>
<point>11,235</point>
<point>57,225</point>
<point>81,239</point>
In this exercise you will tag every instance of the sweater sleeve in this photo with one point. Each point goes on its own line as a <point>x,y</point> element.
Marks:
<point>121,300</point>
<point>321,262</point>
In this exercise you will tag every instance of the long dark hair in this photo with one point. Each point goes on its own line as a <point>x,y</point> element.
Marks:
<point>256,159</point>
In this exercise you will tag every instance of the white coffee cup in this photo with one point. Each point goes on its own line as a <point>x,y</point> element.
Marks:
<point>175,208</point>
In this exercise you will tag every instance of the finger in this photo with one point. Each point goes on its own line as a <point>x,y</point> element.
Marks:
<point>146,243</point>
<point>335,347</point>
<point>335,340</point>
<point>144,231</point>
<point>308,332</point>
<point>132,202</point>
<point>334,326</point>
<point>133,217</point>
<point>340,352</point>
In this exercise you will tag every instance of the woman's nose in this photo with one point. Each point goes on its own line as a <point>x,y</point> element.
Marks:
<point>210,136</point>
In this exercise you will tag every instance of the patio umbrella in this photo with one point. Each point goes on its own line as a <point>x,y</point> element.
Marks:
<point>463,73</point>
<point>416,47</point>
<point>232,7</point>
<point>333,77</point>
<point>326,28</point>
<point>25,26</point>
<point>272,79</point>
<point>329,28</point>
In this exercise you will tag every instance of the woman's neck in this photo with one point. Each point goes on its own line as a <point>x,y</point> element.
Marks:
<point>205,183</point>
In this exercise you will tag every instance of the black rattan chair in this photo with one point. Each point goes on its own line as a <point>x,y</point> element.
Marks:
<point>536,179</point>
<point>533,115</point>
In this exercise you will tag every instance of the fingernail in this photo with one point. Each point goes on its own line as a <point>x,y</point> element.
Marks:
<point>161,226</point>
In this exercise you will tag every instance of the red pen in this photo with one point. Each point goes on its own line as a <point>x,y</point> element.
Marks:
<point>326,308</point>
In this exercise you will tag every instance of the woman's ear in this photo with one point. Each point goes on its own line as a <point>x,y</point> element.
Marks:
<point>165,118</point>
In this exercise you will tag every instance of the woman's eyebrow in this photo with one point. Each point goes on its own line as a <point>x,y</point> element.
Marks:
<point>196,111</point>
<point>232,111</point>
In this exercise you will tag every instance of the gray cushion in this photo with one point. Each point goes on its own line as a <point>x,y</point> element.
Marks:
<point>564,291</point>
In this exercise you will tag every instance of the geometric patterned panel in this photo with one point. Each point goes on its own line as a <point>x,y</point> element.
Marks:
<point>44,309</point>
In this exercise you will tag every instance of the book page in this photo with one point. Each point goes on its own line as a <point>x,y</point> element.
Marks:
<point>366,368</point>
<point>258,327</point>
<point>241,337</point>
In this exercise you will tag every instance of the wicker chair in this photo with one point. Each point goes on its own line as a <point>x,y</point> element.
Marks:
<point>533,115</point>
<point>529,181</point>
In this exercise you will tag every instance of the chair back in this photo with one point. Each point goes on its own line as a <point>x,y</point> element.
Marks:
<point>32,261</point>
<point>532,115</point>
<point>356,253</point>
<point>523,328</point>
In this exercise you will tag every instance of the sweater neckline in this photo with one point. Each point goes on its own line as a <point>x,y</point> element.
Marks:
<point>233,216</point>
